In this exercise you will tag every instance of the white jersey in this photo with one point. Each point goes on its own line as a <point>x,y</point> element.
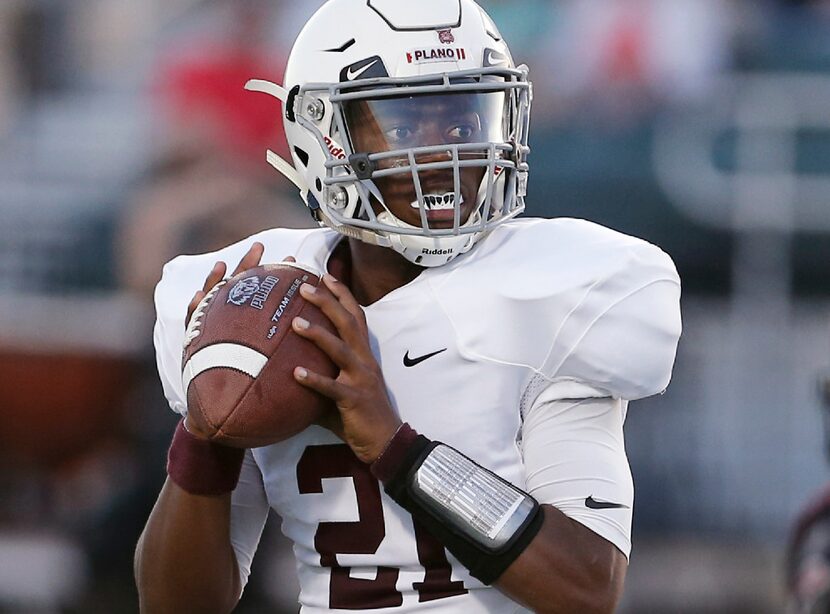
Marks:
<point>521,354</point>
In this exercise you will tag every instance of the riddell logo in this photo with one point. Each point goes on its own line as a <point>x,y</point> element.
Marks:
<point>334,151</point>
<point>436,252</point>
<point>436,54</point>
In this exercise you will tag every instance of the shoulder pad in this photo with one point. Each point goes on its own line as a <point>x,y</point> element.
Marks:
<point>570,301</point>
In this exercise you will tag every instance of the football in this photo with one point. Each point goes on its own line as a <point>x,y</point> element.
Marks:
<point>240,353</point>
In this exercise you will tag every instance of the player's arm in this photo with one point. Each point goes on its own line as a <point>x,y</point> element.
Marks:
<point>196,550</point>
<point>572,569</point>
<point>536,554</point>
<point>566,568</point>
<point>575,461</point>
<point>185,560</point>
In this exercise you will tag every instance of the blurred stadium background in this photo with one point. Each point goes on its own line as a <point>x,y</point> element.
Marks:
<point>125,138</point>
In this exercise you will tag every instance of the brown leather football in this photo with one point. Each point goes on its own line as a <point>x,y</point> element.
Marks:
<point>240,354</point>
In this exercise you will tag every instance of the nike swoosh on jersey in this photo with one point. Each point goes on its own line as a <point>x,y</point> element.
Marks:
<point>592,503</point>
<point>411,362</point>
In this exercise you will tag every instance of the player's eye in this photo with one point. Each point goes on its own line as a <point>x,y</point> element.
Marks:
<point>399,134</point>
<point>461,132</point>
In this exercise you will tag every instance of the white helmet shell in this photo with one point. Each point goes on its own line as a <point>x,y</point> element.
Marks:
<point>353,50</point>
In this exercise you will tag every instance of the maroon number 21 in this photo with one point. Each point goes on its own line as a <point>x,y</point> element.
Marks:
<point>365,537</point>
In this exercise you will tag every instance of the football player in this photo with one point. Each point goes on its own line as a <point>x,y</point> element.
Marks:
<point>476,462</point>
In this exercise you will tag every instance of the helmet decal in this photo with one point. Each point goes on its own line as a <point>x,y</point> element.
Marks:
<point>436,54</point>
<point>492,57</point>
<point>369,68</point>
<point>446,37</point>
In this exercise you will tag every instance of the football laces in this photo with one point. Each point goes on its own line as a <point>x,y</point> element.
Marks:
<point>194,326</point>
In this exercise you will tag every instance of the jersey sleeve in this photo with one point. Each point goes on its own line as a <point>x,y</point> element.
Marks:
<point>172,296</point>
<point>575,460</point>
<point>249,511</point>
<point>623,340</point>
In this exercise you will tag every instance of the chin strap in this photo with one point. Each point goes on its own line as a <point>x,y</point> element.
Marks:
<point>362,234</point>
<point>289,172</point>
<point>282,166</point>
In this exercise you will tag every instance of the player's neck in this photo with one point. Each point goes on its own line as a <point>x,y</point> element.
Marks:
<point>371,272</point>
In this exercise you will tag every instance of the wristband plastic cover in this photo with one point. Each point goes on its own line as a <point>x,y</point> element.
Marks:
<point>487,509</point>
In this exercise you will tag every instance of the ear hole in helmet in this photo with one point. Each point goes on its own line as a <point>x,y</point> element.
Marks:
<point>303,156</point>
<point>289,103</point>
<point>319,184</point>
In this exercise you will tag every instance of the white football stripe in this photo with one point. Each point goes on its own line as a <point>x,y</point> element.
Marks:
<point>230,355</point>
<point>303,267</point>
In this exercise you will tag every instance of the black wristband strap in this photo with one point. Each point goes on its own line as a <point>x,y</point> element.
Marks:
<point>202,467</point>
<point>394,456</point>
<point>411,459</point>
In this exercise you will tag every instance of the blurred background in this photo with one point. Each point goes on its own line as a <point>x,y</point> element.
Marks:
<point>700,125</point>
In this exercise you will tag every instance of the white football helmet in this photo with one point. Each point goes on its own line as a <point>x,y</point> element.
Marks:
<point>418,102</point>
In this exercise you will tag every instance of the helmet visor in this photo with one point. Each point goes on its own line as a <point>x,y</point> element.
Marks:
<point>410,122</point>
<point>430,152</point>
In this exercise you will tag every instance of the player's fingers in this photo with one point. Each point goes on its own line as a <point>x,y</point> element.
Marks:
<point>331,420</point>
<point>217,274</point>
<point>194,302</point>
<point>250,259</point>
<point>331,344</point>
<point>324,385</point>
<point>346,298</point>
<point>347,327</point>
<point>321,297</point>
<point>357,334</point>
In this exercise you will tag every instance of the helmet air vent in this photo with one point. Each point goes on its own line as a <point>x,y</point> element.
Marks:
<point>418,16</point>
<point>302,155</point>
<point>342,47</point>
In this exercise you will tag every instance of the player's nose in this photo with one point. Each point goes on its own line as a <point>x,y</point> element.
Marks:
<point>436,177</point>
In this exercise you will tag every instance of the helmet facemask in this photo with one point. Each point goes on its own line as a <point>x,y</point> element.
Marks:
<point>424,165</point>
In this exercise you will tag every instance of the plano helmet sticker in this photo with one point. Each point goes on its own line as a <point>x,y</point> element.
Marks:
<point>436,54</point>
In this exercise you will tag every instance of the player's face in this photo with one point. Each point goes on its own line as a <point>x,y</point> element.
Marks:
<point>403,123</point>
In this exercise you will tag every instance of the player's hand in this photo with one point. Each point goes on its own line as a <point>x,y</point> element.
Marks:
<point>367,419</point>
<point>217,274</point>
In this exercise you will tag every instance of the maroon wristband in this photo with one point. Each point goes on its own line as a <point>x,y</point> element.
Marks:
<point>386,465</point>
<point>202,467</point>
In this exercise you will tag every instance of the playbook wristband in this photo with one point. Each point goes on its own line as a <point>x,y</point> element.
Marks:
<point>482,519</point>
<point>202,467</point>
